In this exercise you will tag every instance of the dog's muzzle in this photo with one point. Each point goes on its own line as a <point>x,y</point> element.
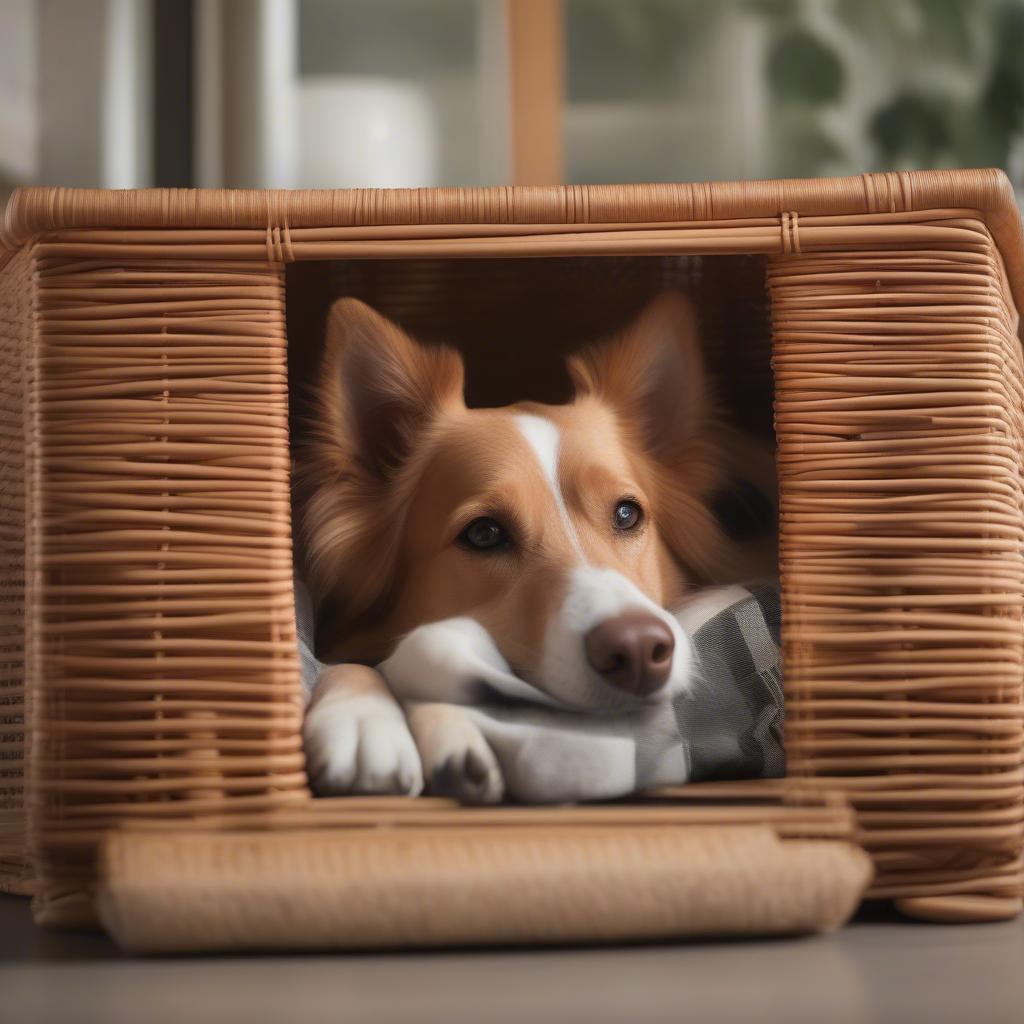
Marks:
<point>632,651</point>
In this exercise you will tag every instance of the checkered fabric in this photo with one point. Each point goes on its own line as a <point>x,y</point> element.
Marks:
<point>733,718</point>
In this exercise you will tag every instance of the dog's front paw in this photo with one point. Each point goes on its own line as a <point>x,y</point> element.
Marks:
<point>457,760</point>
<point>469,774</point>
<point>356,747</point>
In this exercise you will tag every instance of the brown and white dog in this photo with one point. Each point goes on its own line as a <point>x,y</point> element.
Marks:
<point>507,573</point>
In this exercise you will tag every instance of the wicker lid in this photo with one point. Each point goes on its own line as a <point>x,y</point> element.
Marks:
<point>37,211</point>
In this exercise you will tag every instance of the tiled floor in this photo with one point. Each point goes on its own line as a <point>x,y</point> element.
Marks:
<point>879,969</point>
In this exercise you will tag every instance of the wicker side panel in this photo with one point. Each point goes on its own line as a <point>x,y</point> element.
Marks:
<point>15,350</point>
<point>166,682</point>
<point>899,419</point>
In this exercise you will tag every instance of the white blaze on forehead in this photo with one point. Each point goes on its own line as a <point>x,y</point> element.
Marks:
<point>545,439</point>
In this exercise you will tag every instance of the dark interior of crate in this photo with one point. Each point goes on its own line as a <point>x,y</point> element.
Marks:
<point>515,320</point>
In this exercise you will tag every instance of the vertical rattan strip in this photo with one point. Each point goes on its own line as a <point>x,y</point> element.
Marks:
<point>899,418</point>
<point>16,327</point>
<point>167,677</point>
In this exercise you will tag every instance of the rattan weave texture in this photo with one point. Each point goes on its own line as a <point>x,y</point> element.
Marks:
<point>15,394</point>
<point>899,423</point>
<point>145,336</point>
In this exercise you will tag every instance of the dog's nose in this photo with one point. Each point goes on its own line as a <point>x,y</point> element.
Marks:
<point>633,651</point>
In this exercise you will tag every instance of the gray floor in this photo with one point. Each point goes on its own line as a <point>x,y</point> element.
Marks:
<point>879,969</point>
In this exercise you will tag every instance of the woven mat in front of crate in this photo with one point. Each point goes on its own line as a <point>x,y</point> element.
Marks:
<point>359,873</point>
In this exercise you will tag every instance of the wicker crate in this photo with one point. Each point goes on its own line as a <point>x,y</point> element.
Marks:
<point>149,669</point>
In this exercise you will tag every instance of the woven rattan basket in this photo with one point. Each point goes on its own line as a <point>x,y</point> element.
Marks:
<point>149,673</point>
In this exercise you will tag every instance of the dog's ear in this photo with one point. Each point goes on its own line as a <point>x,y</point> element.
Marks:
<point>383,387</point>
<point>653,373</point>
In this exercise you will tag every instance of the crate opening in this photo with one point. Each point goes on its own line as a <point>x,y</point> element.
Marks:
<point>515,322</point>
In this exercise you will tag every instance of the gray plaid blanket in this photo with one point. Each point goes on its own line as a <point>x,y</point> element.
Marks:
<point>733,718</point>
<point>731,722</point>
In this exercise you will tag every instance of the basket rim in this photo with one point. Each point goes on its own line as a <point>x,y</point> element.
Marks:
<point>38,210</point>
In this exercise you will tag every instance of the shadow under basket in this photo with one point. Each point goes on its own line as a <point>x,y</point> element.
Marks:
<point>151,769</point>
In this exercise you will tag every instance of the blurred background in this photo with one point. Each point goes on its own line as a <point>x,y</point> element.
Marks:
<point>296,93</point>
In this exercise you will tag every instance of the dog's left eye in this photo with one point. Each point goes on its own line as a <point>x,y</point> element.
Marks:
<point>484,534</point>
<point>627,516</point>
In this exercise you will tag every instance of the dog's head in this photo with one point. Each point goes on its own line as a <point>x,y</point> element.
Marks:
<point>565,531</point>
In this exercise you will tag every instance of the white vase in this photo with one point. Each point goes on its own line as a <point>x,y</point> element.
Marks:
<point>365,132</point>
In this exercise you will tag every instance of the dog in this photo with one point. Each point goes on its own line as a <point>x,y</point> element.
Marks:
<point>499,583</point>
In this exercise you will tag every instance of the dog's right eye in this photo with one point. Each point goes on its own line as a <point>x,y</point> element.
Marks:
<point>484,534</point>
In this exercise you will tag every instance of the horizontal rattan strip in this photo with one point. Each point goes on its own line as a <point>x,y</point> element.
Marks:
<point>34,210</point>
<point>813,816</point>
<point>940,229</point>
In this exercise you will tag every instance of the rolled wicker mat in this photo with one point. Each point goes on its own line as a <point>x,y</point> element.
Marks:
<point>205,891</point>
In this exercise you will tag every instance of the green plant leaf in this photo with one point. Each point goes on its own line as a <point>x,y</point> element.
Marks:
<point>804,69</point>
<point>776,10</point>
<point>913,127</point>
